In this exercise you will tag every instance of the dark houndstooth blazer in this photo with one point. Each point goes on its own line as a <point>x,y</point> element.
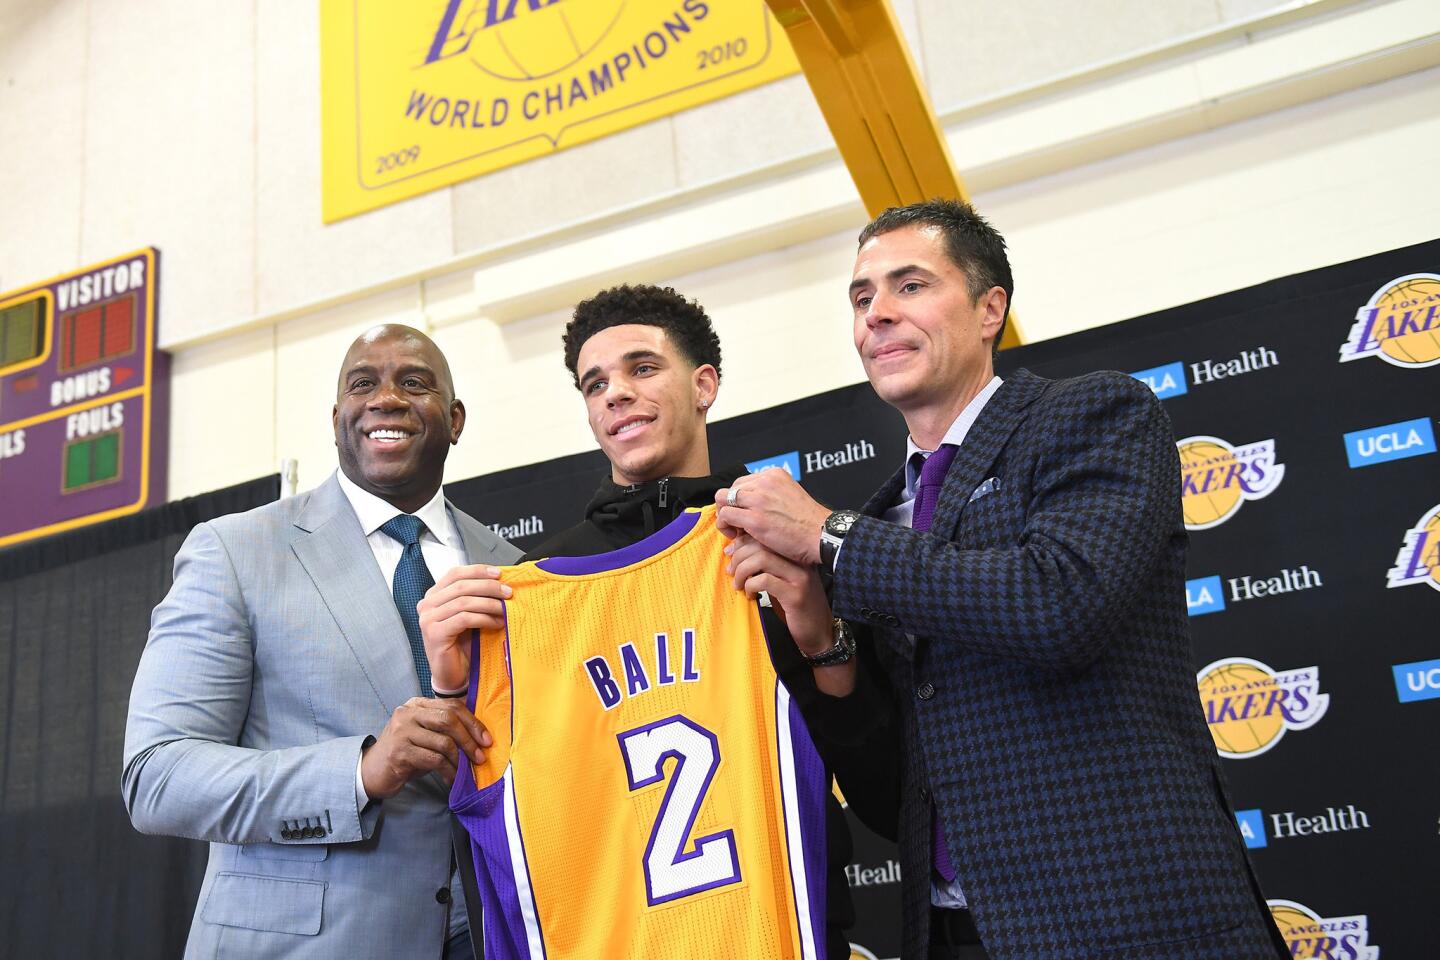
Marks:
<point>1030,658</point>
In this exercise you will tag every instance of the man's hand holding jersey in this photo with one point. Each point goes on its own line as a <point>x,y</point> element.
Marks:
<point>464,599</point>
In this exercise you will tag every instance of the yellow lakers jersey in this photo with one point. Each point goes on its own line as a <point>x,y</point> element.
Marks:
<point>652,793</point>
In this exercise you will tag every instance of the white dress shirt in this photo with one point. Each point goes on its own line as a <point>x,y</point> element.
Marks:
<point>941,894</point>
<point>440,545</point>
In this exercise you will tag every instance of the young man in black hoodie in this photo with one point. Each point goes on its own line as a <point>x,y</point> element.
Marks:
<point>647,363</point>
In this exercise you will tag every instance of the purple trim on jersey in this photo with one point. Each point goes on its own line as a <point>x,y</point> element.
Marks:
<point>662,539</point>
<point>811,783</point>
<point>482,814</point>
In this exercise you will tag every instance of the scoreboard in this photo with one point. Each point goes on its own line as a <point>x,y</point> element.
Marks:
<point>83,399</point>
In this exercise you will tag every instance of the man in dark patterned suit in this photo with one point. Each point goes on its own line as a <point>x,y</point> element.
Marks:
<point>1022,715</point>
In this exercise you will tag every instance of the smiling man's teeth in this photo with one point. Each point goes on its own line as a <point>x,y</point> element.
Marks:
<point>631,426</point>
<point>388,435</point>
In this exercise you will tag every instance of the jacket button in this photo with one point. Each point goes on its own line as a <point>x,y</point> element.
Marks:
<point>891,619</point>
<point>442,895</point>
<point>925,691</point>
<point>284,834</point>
<point>319,831</point>
<point>924,794</point>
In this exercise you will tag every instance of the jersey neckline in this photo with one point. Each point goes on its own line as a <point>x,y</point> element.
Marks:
<point>652,546</point>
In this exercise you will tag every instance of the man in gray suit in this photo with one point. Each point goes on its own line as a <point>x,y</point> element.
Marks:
<point>282,708</point>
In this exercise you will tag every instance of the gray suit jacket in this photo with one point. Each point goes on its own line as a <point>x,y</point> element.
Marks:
<point>277,651</point>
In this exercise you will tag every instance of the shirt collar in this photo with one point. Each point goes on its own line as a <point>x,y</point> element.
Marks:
<point>373,512</point>
<point>955,435</point>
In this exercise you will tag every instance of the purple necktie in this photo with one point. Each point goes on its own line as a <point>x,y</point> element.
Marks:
<point>927,493</point>
<point>932,478</point>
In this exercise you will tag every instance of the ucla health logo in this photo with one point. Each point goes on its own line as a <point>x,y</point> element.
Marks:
<point>1249,706</point>
<point>1252,827</point>
<point>789,462</point>
<point>1417,681</point>
<point>1205,595</point>
<point>1419,558</point>
<point>1308,934</point>
<point>1393,441</point>
<point>1216,478</point>
<point>1400,324</point>
<point>1167,381</point>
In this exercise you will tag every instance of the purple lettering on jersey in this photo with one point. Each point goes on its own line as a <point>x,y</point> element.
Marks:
<point>635,679</point>
<point>690,672</point>
<point>600,677</point>
<point>659,541</point>
<point>662,660</point>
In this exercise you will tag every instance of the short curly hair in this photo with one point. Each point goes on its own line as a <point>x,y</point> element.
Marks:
<point>684,321</point>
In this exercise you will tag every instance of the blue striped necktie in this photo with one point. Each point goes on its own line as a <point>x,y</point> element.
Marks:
<point>412,579</point>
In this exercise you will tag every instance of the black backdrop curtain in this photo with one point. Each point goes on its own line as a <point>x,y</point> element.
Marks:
<point>75,878</point>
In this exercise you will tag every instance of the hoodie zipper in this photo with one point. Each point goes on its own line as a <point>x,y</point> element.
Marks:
<point>664,489</point>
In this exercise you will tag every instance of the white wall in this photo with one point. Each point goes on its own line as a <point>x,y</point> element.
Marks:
<point>1136,154</point>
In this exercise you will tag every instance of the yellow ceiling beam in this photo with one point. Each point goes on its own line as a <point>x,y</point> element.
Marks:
<point>859,68</point>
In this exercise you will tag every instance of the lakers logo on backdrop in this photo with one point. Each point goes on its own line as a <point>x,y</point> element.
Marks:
<point>1419,558</point>
<point>1400,324</point>
<point>1217,478</point>
<point>1313,937</point>
<point>1249,705</point>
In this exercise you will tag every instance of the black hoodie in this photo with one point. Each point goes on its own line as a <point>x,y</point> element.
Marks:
<point>619,516</point>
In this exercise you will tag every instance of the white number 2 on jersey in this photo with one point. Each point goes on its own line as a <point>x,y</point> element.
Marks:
<point>670,872</point>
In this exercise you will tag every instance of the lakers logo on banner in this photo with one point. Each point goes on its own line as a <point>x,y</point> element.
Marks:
<point>1400,324</point>
<point>424,94</point>
<point>1249,705</point>
<point>1216,478</point>
<point>1419,558</point>
<point>1313,937</point>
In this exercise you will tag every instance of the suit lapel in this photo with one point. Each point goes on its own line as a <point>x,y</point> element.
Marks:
<point>998,420</point>
<point>481,543</point>
<point>884,498</point>
<point>338,559</point>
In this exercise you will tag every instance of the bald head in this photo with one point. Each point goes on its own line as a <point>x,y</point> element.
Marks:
<point>398,332</point>
<point>396,415</point>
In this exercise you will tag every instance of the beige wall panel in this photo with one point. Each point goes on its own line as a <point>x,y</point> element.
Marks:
<point>783,321</point>
<point>1323,183</point>
<point>222,413</point>
<point>42,130</point>
<point>979,47</point>
<point>520,403</point>
<point>1243,9</point>
<point>170,151</point>
<point>763,126</point>
<point>748,130</point>
<point>300,259</point>
<point>308,354</point>
<point>626,168</point>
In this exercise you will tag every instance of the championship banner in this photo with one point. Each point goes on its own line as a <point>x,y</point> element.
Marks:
<point>83,390</point>
<point>421,95</point>
<point>1304,413</point>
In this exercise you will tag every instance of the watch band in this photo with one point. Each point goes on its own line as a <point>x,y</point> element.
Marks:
<point>842,650</point>
<point>832,534</point>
